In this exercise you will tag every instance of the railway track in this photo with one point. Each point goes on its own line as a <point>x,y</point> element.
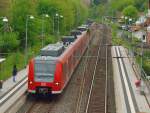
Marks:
<point>90,58</point>
<point>81,89</point>
<point>97,99</point>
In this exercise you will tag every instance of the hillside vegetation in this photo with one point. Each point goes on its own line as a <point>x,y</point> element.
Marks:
<point>116,7</point>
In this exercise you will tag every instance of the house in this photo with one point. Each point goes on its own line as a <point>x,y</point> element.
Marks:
<point>142,29</point>
<point>141,35</point>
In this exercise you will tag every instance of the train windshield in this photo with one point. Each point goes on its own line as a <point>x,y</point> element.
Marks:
<point>44,70</point>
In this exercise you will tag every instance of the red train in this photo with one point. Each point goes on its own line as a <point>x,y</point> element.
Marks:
<point>52,69</point>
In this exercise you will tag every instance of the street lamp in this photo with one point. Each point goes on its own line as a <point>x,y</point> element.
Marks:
<point>130,20</point>
<point>54,22</point>
<point>5,20</point>
<point>43,17</point>
<point>141,55</point>
<point>61,17</point>
<point>57,15</point>
<point>26,43</point>
<point>125,20</point>
<point>126,17</point>
<point>132,48</point>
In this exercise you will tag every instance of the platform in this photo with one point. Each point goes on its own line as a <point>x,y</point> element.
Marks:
<point>128,97</point>
<point>12,91</point>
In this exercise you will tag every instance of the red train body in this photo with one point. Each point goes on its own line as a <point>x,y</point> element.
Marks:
<point>65,65</point>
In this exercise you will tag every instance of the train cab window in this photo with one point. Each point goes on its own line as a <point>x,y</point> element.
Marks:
<point>76,55</point>
<point>44,71</point>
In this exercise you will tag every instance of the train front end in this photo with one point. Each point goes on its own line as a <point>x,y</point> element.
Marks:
<point>44,75</point>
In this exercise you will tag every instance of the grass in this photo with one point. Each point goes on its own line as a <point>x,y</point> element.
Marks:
<point>13,58</point>
<point>17,58</point>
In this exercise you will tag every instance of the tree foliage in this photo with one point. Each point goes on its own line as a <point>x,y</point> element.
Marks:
<point>8,42</point>
<point>74,14</point>
<point>130,11</point>
<point>141,5</point>
<point>20,11</point>
<point>115,7</point>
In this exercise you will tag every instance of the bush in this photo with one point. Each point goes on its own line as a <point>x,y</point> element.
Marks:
<point>130,11</point>
<point>74,14</point>
<point>20,10</point>
<point>9,42</point>
<point>14,58</point>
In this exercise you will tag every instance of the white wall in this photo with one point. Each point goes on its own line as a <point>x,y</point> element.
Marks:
<point>139,35</point>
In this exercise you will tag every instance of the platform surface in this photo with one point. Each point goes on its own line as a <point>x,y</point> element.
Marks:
<point>9,84</point>
<point>128,96</point>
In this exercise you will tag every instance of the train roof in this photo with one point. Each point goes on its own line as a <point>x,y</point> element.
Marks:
<point>70,47</point>
<point>53,50</point>
<point>69,36</point>
<point>75,32</point>
<point>50,58</point>
<point>68,39</point>
<point>82,28</point>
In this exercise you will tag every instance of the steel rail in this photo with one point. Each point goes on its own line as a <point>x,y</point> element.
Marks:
<point>92,84</point>
<point>106,86</point>
<point>83,80</point>
<point>82,85</point>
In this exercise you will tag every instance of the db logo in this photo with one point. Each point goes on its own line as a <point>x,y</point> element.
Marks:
<point>43,84</point>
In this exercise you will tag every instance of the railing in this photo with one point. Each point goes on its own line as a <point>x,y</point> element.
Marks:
<point>139,71</point>
<point>145,75</point>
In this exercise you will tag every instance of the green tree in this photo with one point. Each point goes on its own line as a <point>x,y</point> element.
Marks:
<point>141,5</point>
<point>74,14</point>
<point>9,42</point>
<point>130,11</point>
<point>119,5</point>
<point>20,10</point>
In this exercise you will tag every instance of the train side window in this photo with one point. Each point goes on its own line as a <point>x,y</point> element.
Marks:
<point>74,59</point>
<point>65,69</point>
<point>70,64</point>
<point>76,55</point>
<point>79,52</point>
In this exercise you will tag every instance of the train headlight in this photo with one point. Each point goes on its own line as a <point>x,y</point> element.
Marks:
<point>57,83</point>
<point>31,82</point>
